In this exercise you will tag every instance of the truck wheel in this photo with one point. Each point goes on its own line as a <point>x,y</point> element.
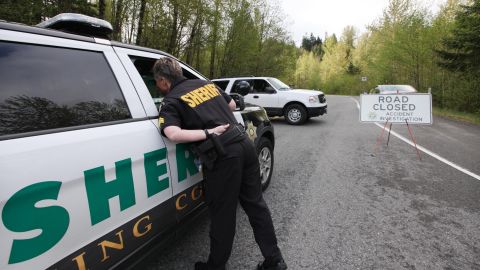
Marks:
<point>295,114</point>
<point>265,159</point>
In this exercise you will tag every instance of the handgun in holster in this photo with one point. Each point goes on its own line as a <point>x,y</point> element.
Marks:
<point>218,145</point>
<point>209,151</point>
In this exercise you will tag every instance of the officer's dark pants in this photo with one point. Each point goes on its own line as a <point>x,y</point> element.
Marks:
<point>236,178</point>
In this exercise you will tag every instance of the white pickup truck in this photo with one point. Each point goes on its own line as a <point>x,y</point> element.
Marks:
<point>297,105</point>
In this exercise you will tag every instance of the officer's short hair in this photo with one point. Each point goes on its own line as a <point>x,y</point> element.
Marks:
<point>168,68</point>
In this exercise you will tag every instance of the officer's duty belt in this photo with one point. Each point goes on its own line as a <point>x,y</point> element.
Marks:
<point>233,134</point>
<point>209,150</point>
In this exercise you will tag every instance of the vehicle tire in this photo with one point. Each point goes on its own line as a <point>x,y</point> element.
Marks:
<point>265,160</point>
<point>295,114</point>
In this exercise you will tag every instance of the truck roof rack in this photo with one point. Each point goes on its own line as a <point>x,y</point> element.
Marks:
<point>79,24</point>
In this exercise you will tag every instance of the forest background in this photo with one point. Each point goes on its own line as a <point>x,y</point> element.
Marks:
<point>437,52</point>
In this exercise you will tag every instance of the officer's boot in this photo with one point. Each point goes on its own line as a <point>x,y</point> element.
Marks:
<point>281,265</point>
<point>201,266</point>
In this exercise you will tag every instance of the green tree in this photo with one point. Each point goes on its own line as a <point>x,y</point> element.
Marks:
<point>241,41</point>
<point>312,44</point>
<point>307,73</point>
<point>348,38</point>
<point>141,21</point>
<point>462,52</point>
<point>32,12</point>
<point>214,36</point>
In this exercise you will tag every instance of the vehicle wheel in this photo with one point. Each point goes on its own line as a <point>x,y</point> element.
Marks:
<point>295,114</point>
<point>265,159</point>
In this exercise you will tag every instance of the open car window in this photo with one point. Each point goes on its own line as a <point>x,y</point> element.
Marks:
<point>144,67</point>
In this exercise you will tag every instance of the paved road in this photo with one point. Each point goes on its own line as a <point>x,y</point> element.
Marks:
<point>335,205</point>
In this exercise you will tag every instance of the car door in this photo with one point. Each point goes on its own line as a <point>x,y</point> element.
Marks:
<point>262,93</point>
<point>85,179</point>
<point>186,177</point>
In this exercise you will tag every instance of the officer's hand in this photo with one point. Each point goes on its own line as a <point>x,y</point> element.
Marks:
<point>219,129</point>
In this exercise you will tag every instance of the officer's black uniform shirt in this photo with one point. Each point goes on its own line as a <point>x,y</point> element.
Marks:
<point>195,104</point>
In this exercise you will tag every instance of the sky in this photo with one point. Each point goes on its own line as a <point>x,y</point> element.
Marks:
<point>331,16</point>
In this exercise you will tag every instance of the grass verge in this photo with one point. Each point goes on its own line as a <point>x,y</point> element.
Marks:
<point>460,116</point>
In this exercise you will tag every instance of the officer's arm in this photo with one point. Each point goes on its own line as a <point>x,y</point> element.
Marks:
<point>178,135</point>
<point>232,105</point>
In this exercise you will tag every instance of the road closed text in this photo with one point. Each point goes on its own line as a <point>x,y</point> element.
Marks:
<point>393,103</point>
<point>396,108</point>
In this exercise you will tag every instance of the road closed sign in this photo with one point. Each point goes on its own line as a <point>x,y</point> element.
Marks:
<point>396,108</point>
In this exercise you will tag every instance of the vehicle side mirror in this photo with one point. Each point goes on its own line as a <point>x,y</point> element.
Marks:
<point>239,101</point>
<point>269,90</point>
<point>242,88</point>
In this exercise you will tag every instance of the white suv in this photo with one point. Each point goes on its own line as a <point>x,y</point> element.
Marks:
<point>86,178</point>
<point>297,105</point>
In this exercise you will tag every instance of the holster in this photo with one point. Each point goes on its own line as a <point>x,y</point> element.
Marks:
<point>206,152</point>
<point>212,148</point>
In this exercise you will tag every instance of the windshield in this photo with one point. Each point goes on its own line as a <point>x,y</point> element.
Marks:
<point>279,85</point>
<point>395,88</point>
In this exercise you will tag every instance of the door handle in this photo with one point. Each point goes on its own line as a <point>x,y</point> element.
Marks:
<point>255,96</point>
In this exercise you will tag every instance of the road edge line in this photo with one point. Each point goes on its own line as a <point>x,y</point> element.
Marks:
<point>425,150</point>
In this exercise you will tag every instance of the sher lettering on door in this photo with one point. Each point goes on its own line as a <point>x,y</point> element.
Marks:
<point>53,221</point>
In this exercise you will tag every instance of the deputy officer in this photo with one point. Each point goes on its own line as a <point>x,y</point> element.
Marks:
<point>194,111</point>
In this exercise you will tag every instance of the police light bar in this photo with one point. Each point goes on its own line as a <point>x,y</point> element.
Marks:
<point>79,24</point>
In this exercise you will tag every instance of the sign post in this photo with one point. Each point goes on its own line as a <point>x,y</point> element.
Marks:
<point>396,108</point>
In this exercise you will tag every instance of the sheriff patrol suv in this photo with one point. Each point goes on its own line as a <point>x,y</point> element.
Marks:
<point>297,105</point>
<point>86,178</point>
